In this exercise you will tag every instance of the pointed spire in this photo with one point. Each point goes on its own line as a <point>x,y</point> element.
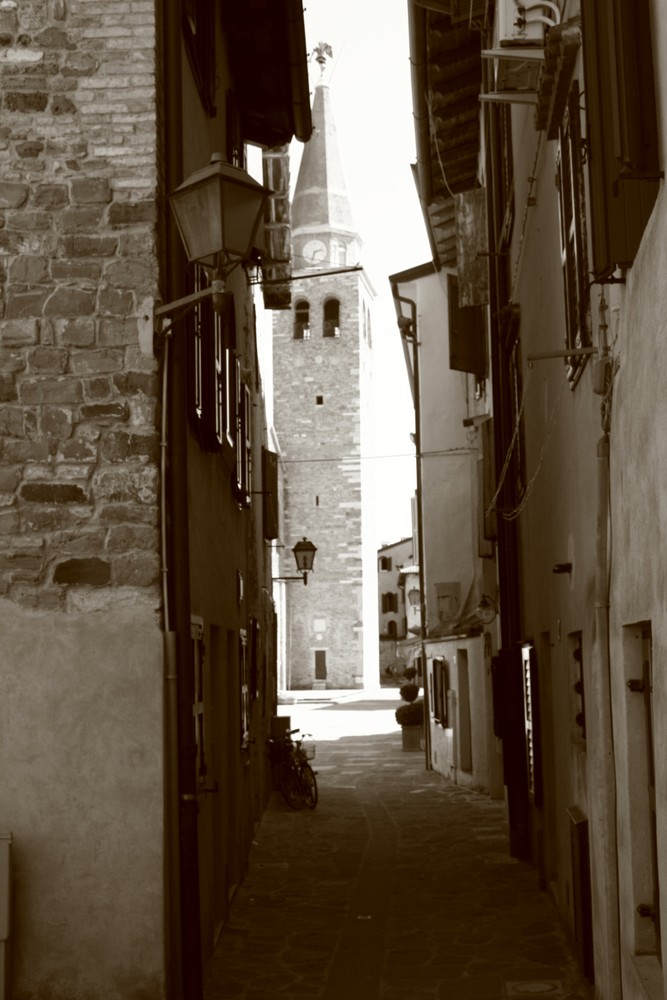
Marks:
<point>321,202</point>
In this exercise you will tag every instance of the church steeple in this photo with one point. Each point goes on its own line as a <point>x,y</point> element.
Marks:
<point>323,229</point>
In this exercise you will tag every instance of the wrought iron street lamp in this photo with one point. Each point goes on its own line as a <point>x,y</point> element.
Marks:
<point>304,555</point>
<point>218,210</point>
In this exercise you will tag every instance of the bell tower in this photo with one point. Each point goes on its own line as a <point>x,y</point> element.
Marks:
<point>322,352</point>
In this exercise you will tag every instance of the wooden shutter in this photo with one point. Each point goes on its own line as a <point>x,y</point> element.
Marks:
<point>622,128</point>
<point>270,493</point>
<point>467,337</point>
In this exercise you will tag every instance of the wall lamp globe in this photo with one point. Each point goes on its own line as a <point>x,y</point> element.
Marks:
<point>217,211</point>
<point>304,555</point>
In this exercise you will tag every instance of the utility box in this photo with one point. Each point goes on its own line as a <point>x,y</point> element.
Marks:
<point>520,23</point>
<point>280,726</point>
<point>5,911</point>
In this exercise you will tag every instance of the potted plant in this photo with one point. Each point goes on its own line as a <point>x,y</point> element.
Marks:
<point>410,718</point>
<point>409,691</point>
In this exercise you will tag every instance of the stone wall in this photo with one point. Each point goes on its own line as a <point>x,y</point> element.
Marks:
<point>81,664</point>
<point>78,273</point>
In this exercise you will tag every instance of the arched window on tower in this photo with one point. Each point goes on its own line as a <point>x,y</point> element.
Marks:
<point>302,320</point>
<point>331,326</point>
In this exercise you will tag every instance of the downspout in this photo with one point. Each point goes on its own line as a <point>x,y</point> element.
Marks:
<point>606,931</point>
<point>184,919</point>
<point>408,328</point>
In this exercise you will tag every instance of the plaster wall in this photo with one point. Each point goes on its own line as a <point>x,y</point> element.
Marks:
<point>81,731</point>
<point>479,764</point>
<point>638,460</point>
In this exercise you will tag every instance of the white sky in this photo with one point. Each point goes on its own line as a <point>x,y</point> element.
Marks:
<point>371,98</point>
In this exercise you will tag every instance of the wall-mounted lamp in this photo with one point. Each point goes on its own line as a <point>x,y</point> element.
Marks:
<point>304,554</point>
<point>217,210</point>
<point>414,598</point>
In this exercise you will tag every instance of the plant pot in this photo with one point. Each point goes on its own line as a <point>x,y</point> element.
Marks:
<point>412,737</point>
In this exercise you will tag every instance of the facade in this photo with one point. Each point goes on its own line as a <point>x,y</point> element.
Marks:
<point>564,146</point>
<point>457,630</point>
<point>391,561</point>
<point>138,662</point>
<point>322,412</point>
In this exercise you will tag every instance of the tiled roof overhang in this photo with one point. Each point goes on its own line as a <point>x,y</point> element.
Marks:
<point>446,84</point>
<point>268,59</point>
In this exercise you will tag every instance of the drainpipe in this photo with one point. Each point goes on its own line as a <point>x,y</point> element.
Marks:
<point>408,328</point>
<point>186,977</point>
<point>603,787</point>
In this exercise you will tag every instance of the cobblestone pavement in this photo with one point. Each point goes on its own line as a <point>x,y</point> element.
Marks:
<point>398,886</point>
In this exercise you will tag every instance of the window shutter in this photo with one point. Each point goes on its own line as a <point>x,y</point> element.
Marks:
<point>622,128</point>
<point>270,493</point>
<point>467,339</point>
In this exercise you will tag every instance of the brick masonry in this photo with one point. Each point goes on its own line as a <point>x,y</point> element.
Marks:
<point>79,401</point>
<point>320,392</point>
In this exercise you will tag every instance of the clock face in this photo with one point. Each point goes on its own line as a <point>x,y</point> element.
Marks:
<point>314,251</point>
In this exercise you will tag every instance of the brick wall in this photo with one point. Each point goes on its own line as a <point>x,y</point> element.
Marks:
<point>79,445</point>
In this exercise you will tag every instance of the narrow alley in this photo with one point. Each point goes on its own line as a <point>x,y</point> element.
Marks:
<point>398,886</point>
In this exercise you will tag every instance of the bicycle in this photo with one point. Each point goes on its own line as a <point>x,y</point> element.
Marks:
<point>293,773</point>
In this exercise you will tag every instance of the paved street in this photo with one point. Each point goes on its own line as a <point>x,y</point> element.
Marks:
<point>398,886</point>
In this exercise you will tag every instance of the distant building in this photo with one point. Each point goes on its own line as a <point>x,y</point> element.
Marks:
<point>322,413</point>
<point>391,560</point>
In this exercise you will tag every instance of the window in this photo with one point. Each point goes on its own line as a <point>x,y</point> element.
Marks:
<point>319,400</point>
<point>211,369</point>
<point>244,684</point>
<point>243,443</point>
<point>302,320</point>
<point>199,33</point>
<point>531,724</point>
<point>385,562</point>
<point>467,334</point>
<point>389,603</point>
<point>391,628</point>
<point>224,365</point>
<point>440,690</point>
<point>320,664</point>
<point>331,325</point>
<point>570,182</point>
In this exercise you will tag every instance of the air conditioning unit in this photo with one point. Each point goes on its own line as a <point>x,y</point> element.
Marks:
<point>525,23</point>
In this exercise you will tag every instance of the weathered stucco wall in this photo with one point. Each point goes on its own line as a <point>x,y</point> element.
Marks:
<point>81,792</point>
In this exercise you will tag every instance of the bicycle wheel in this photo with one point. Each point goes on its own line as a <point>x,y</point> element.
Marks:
<point>289,783</point>
<point>309,785</point>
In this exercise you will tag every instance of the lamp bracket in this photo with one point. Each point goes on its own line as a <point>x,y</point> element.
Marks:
<point>216,290</point>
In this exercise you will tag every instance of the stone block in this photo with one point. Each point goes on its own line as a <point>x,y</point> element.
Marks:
<point>115,301</point>
<point>105,411</point>
<point>9,479</point>
<point>51,196</point>
<point>77,541</point>
<point>29,150</point>
<point>132,213</point>
<point>56,422</point>
<point>54,493</point>
<point>120,331</point>
<point>81,219</point>
<point>123,537</point>
<point>26,103</point>
<point>75,270</point>
<point>75,332</point>
<point>25,451</point>
<point>90,190</point>
<point>126,486</point>
<point>51,390</point>
<point>103,360</point>
<point>70,302</point>
<point>13,195</point>
<point>61,105</point>
<point>52,360</point>
<point>81,245</point>
<point>97,389</point>
<point>9,521</point>
<point>137,569</point>
<point>11,360</point>
<point>129,383</point>
<point>128,514</point>
<point>91,572</point>
<point>26,304</point>
<point>19,333</point>
<point>29,270</point>
<point>8,392</point>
